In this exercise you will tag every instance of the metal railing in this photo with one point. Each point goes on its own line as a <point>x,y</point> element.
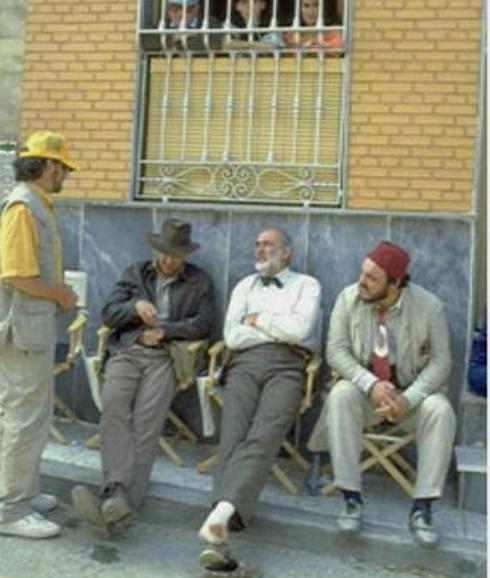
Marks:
<point>245,122</point>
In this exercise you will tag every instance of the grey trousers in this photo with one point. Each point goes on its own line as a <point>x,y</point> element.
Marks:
<point>138,389</point>
<point>432,422</point>
<point>262,395</point>
<point>26,407</point>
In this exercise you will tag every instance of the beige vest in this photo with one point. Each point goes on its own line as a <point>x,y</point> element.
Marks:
<point>27,322</point>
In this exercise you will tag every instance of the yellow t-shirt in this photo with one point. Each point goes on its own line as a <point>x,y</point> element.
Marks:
<point>19,240</point>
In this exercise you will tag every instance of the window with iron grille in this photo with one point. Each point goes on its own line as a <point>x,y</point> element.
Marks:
<point>241,101</point>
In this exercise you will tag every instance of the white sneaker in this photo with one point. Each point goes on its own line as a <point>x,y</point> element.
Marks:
<point>349,520</point>
<point>31,526</point>
<point>422,529</point>
<point>43,503</point>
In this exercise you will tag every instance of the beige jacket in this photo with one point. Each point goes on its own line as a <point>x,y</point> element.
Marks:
<point>423,359</point>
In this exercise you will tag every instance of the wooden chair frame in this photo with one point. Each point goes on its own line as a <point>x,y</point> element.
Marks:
<point>75,345</point>
<point>215,353</point>
<point>383,450</point>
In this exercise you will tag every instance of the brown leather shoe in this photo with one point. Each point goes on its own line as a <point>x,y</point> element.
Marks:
<point>116,508</point>
<point>87,505</point>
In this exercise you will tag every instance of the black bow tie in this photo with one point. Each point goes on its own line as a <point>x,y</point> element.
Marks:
<point>266,281</point>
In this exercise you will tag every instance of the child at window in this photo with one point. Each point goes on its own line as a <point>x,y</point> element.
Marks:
<point>252,14</point>
<point>309,11</point>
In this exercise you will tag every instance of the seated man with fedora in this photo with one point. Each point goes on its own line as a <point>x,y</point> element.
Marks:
<point>155,305</point>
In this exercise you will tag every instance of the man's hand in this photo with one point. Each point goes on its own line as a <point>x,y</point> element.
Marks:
<point>250,319</point>
<point>67,298</point>
<point>151,337</point>
<point>147,312</point>
<point>399,410</point>
<point>389,404</point>
<point>382,393</point>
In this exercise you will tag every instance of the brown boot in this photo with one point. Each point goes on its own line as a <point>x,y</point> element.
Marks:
<point>87,505</point>
<point>116,507</point>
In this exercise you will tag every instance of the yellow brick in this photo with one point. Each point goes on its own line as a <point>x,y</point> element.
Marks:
<point>388,183</point>
<point>440,152</point>
<point>367,108</point>
<point>376,14</point>
<point>434,98</point>
<point>420,14</point>
<point>451,207</point>
<point>391,87</point>
<point>365,45</point>
<point>431,195</point>
<point>359,203</point>
<point>388,129</point>
<point>433,183</point>
<point>415,109</point>
<point>410,140</point>
<point>389,151</point>
<point>433,130</point>
<point>409,205</point>
<point>455,110</point>
<point>466,14</point>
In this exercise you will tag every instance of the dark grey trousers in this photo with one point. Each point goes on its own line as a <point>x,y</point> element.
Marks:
<point>139,386</point>
<point>262,395</point>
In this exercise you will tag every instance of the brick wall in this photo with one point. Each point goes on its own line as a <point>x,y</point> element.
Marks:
<point>414,93</point>
<point>79,79</point>
<point>413,113</point>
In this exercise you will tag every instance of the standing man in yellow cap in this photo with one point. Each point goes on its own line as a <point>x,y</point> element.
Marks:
<point>31,293</point>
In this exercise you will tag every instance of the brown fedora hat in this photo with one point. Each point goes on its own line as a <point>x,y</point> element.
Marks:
<point>174,238</point>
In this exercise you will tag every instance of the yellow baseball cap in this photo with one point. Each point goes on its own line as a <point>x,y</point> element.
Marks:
<point>47,145</point>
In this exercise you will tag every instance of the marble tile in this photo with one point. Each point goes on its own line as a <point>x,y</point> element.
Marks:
<point>440,262</point>
<point>337,246</point>
<point>113,238</point>
<point>69,220</point>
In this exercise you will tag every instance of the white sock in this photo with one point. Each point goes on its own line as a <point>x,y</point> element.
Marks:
<point>215,528</point>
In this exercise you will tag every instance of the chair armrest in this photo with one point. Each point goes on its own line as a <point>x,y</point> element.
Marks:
<point>102,334</point>
<point>311,372</point>
<point>213,353</point>
<point>75,335</point>
<point>196,346</point>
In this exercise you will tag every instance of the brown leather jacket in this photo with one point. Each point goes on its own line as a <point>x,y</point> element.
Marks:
<point>191,305</point>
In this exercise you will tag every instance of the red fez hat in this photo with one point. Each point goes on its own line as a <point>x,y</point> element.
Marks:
<point>391,258</point>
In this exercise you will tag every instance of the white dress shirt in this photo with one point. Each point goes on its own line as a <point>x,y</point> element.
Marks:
<point>290,314</point>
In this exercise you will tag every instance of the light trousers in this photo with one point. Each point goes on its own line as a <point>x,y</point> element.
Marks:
<point>26,407</point>
<point>432,422</point>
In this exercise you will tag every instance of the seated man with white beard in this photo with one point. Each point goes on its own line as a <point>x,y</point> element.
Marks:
<point>270,331</point>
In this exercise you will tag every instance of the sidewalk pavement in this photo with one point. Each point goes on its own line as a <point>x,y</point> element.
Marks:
<point>463,534</point>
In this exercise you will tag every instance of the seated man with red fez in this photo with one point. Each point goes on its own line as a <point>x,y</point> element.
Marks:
<point>388,341</point>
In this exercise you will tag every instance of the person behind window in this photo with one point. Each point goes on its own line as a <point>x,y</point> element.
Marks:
<point>194,20</point>
<point>309,11</point>
<point>242,17</point>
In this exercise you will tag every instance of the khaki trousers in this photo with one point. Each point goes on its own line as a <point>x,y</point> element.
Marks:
<point>26,406</point>
<point>432,422</point>
<point>262,395</point>
<point>138,389</point>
